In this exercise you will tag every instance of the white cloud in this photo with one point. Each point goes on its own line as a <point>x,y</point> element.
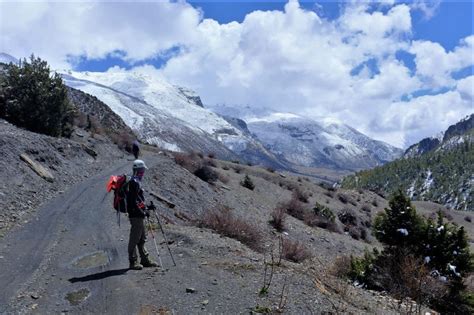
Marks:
<point>55,30</point>
<point>295,60</point>
<point>465,88</point>
<point>429,8</point>
<point>435,65</point>
<point>424,116</point>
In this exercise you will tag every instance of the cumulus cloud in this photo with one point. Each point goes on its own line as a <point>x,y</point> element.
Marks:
<point>435,65</point>
<point>58,30</point>
<point>424,116</point>
<point>293,60</point>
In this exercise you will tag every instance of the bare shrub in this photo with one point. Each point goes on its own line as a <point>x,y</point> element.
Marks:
<point>223,178</point>
<point>346,199</point>
<point>189,161</point>
<point>95,126</point>
<point>295,208</point>
<point>294,251</point>
<point>330,194</point>
<point>315,220</point>
<point>278,217</point>
<point>223,222</point>
<point>341,267</point>
<point>270,169</point>
<point>210,162</point>
<point>408,280</point>
<point>347,217</point>
<point>354,232</point>
<point>206,174</point>
<point>80,119</point>
<point>302,196</point>
<point>448,216</point>
<point>366,208</point>
<point>123,140</point>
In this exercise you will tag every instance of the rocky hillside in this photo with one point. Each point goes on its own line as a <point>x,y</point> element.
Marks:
<point>91,111</point>
<point>36,168</point>
<point>436,169</point>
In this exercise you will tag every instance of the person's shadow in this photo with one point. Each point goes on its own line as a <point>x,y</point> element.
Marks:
<point>99,275</point>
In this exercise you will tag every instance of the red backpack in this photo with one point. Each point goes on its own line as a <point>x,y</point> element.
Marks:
<point>119,184</point>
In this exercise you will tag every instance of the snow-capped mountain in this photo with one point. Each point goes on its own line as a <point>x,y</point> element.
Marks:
<point>174,118</point>
<point>307,142</point>
<point>6,58</point>
<point>170,116</point>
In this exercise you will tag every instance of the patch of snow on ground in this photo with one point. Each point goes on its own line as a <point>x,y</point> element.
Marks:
<point>403,231</point>
<point>428,183</point>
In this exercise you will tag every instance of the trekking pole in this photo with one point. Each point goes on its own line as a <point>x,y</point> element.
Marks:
<point>153,208</point>
<point>154,241</point>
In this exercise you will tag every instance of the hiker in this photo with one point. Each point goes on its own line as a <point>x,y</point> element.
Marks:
<point>135,149</point>
<point>137,211</point>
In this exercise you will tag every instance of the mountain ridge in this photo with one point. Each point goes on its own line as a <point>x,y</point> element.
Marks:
<point>431,170</point>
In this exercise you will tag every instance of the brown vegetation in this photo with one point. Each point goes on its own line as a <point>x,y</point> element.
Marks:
<point>222,221</point>
<point>278,217</point>
<point>294,251</point>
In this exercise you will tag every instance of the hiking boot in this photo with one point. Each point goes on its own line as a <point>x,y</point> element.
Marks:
<point>134,265</point>
<point>148,263</point>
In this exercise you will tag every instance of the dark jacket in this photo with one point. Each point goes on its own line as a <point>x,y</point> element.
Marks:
<point>134,199</point>
<point>135,148</point>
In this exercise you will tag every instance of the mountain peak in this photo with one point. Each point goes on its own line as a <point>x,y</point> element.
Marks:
<point>6,58</point>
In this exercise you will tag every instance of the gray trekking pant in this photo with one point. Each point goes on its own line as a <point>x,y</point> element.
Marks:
<point>137,239</point>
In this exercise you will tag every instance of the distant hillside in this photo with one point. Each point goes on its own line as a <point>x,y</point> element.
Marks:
<point>435,169</point>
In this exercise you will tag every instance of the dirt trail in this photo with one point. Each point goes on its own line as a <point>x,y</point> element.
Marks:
<point>74,234</point>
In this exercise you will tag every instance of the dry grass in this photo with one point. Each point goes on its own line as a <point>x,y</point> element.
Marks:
<point>225,223</point>
<point>278,218</point>
<point>341,267</point>
<point>317,220</point>
<point>123,140</point>
<point>295,208</point>
<point>302,196</point>
<point>189,161</point>
<point>294,251</point>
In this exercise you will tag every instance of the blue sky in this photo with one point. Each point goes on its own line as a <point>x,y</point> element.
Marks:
<point>396,70</point>
<point>452,21</point>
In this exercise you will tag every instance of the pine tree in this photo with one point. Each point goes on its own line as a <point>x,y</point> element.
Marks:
<point>248,183</point>
<point>32,98</point>
<point>399,226</point>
